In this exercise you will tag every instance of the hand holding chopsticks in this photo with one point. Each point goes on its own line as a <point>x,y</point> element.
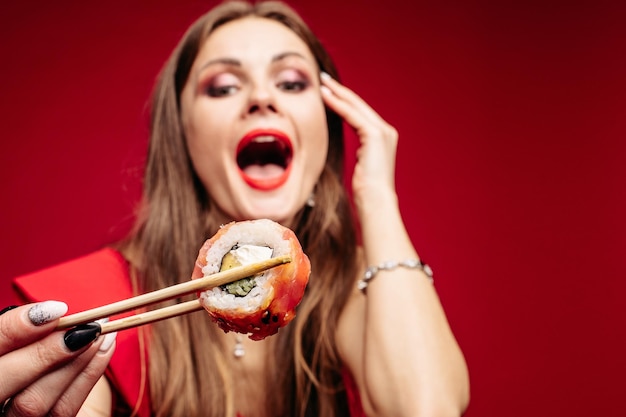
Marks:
<point>168,293</point>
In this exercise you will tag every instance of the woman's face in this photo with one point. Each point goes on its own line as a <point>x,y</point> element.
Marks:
<point>254,120</point>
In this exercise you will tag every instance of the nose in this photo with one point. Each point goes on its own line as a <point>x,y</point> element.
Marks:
<point>261,100</point>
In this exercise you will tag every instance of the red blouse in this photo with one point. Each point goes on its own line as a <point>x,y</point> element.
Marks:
<point>101,278</point>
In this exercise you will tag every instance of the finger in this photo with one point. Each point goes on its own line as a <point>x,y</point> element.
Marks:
<point>63,391</point>
<point>76,394</point>
<point>20,326</point>
<point>23,366</point>
<point>6,309</point>
<point>365,127</point>
<point>346,111</point>
<point>349,97</point>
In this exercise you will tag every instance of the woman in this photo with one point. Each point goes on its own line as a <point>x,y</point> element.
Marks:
<point>244,126</point>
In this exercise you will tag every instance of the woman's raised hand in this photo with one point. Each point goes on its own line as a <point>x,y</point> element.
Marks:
<point>374,171</point>
<point>43,371</point>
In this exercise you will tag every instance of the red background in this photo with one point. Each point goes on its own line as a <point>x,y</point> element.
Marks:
<point>511,165</point>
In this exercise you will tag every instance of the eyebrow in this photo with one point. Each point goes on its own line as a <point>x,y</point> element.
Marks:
<point>288,54</point>
<point>236,63</point>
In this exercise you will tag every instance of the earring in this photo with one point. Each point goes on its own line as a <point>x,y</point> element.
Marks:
<point>311,200</point>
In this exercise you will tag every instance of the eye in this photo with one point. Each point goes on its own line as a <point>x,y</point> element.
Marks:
<point>292,81</point>
<point>223,85</point>
<point>220,91</point>
<point>293,86</point>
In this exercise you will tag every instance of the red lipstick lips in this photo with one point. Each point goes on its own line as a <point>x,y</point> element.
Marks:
<point>264,158</point>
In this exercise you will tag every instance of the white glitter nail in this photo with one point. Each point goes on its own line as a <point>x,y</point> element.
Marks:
<point>46,311</point>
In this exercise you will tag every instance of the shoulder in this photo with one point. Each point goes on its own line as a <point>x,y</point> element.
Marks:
<point>98,278</point>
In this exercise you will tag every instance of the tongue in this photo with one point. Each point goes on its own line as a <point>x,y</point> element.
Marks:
<point>263,171</point>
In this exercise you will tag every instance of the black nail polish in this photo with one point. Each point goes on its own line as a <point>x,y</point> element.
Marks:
<point>4,310</point>
<point>80,336</point>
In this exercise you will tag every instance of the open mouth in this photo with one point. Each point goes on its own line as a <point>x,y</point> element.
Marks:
<point>264,159</point>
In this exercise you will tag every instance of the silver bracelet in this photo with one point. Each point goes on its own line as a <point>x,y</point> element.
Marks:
<point>371,271</point>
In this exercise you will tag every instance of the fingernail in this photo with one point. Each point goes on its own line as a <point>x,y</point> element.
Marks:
<point>325,76</point>
<point>108,341</point>
<point>80,336</point>
<point>326,90</point>
<point>108,338</point>
<point>9,308</point>
<point>46,311</point>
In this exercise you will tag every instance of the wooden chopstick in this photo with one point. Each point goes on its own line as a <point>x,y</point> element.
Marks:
<point>168,293</point>
<point>151,316</point>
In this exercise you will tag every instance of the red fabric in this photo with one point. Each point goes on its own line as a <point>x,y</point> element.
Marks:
<point>352,392</point>
<point>90,281</point>
<point>102,278</point>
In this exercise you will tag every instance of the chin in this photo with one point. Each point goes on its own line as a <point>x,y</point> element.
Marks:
<point>279,213</point>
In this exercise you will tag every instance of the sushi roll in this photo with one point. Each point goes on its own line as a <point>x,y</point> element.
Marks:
<point>261,304</point>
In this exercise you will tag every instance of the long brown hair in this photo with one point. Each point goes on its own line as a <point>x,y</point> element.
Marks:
<point>188,373</point>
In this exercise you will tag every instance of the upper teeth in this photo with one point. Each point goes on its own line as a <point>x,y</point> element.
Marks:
<point>262,139</point>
